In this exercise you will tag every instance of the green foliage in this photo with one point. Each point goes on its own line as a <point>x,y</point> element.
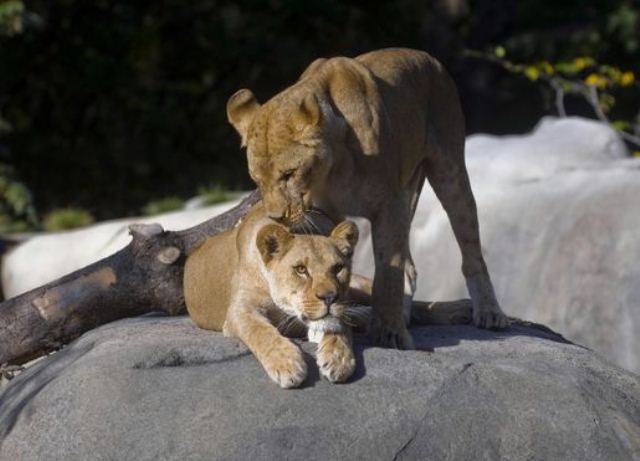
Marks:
<point>14,18</point>
<point>624,23</point>
<point>557,31</point>
<point>213,194</point>
<point>17,213</point>
<point>66,218</point>
<point>11,17</point>
<point>582,68</point>
<point>163,206</point>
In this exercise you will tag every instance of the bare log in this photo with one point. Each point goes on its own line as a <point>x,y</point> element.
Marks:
<point>144,276</point>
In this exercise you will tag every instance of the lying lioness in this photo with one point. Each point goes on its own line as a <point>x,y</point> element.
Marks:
<point>257,277</point>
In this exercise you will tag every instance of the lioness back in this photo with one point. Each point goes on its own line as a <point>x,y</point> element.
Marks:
<point>208,280</point>
<point>216,269</point>
<point>420,100</point>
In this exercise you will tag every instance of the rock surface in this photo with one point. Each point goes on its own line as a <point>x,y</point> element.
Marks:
<point>159,388</point>
<point>559,216</point>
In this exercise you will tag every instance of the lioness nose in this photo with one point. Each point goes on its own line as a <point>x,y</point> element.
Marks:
<point>328,297</point>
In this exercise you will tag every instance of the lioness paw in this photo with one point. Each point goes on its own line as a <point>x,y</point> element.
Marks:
<point>486,310</point>
<point>286,366</point>
<point>490,318</point>
<point>392,336</point>
<point>335,359</point>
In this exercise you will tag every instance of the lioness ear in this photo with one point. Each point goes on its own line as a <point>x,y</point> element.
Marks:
<point>273,240</point>
<point>241,108</point>
<point>309,114</point>
<point>345,236</point>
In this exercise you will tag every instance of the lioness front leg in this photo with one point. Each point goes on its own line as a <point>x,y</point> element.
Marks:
<point>280,357</point>
<point>390,233</point>
<point>335,356</point>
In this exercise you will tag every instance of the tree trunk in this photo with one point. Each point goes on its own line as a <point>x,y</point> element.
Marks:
<point>144,276</point>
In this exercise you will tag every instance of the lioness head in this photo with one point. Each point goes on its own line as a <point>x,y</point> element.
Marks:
<point>308,275</point>
<point>288,145</point>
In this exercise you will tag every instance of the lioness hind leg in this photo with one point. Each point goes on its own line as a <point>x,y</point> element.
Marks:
<point>450,182</point>
<point>414,188</point>
<point>410,286</point>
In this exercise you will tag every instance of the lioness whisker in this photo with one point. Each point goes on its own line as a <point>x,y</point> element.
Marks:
<point>358,310</point>
<point>282,322</point>
<point>363,317</point>
<point>305,225</point>
<point>285,323</point>
<point>312,224</point>
<point>318,211</point>
<point>304,222</point>
<point>308,229</point>
<point>348,321</point>
<point>356,315</point>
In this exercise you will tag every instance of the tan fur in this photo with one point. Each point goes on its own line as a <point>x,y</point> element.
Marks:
<point>359,136</point>
<point>242,281</point>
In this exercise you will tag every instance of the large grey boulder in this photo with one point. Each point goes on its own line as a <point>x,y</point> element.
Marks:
<point>159,388</point>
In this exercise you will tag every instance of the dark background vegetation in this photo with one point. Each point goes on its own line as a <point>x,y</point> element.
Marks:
<point>107,105</point>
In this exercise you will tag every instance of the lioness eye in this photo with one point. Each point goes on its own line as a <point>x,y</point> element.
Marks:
<point>300,269</point>
<point>337,268</point>
<point>287,174</point>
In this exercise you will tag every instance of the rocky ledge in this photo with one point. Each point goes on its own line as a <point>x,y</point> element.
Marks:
<point>159,388</point>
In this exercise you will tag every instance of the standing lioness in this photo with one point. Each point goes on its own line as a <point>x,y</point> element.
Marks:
<point>359,136</point>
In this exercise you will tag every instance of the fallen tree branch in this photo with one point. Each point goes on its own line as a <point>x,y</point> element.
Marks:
<point>144,276</point>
